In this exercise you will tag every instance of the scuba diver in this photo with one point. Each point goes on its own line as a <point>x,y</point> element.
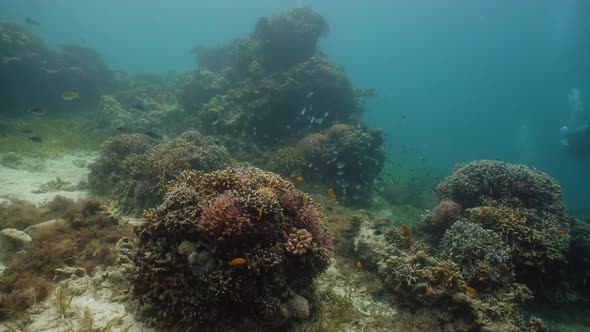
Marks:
<point>577,142</point>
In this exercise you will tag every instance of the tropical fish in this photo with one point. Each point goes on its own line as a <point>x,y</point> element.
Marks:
<point>561,231</point>
<point>305,199</point>
<point>470,290</point>
<point>359,264</point>
<point>299,178</point>
<point>36,139</point>
<point>237,261</point>
<point>70,95</point>
<point>151,134</point>
<point>259,213</point>
<point>331,193</point>
<point>428,291</point>
<point>32,21</point>
<point>37,111</point>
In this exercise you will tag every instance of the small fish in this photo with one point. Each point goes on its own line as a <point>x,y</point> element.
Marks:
<point>356,197</point>
<point>151,134</point>
<point>299,178</point>
<point>404,117</point>
<point>121,128</point>
<point>331,193</point>
<point>358,186</point>
<point>326,115</point>
<point>340,164</point>
<point>470,290</point>
<point>359,264</point>
<point>309,95</point>
<point>37,111</point>
<point>428,291</point>
<point>259,213</point>
<point>312,118</point>
<point>70,95</point>
<point>215,122</point>
<point>138,106</point>
<point>237,261</point>
<point>561,232</point>
<point>31,21</point>
<point>340,173</point>
<point>319,121</point>
<point>36,139</point>
<point>305,199</point>
<point>310,164</point>
<point>303,111</point>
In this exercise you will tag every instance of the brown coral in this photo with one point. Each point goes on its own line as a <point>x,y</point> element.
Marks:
<point>298,242</point>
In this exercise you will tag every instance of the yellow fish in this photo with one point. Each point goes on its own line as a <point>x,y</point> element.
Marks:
<point>470,290</point>
<point>359,264</point>
<point>299,178</point>
<point>70,95</point>
<point>428,291</point>
<point>331,193</point>
<point>237,261</point>
<point>259,213</point>
<point>561,231</point>
<point>305,199</point>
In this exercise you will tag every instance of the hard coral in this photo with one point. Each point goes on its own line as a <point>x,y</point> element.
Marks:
<point>205,222</point>
<point>445,214</point>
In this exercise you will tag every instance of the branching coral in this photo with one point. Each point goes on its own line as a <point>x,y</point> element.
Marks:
<point>232,243</point>
<point>484,258</point>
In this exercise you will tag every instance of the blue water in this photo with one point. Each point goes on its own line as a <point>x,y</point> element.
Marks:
<point>456,80</point>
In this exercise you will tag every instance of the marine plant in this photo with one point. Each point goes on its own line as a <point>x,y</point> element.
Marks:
<point>83,234</point>
<point>235,246</point>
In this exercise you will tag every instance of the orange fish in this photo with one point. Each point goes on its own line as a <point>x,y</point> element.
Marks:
<point>259,213</point>
<point>359,264</point>
<point>305,199</point>
<point>331,193</point>
<point>561,231</point>
<point>470,290</point>
<point>299,178</point>
<point>237,261</point>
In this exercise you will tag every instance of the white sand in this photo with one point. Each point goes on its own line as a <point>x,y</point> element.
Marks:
<point>20,183</point>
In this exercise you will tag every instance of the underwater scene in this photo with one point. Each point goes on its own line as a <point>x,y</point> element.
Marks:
<point>294,165</point>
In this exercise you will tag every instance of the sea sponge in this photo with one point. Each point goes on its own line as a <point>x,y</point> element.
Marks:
<point>241,262</point>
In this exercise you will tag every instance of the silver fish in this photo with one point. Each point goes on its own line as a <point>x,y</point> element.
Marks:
<point>356,197</point>
<point>340,164</point>
<point>319,121</point>
<point>309,95</point>
<point>303,111</point>
<point>340,173</point>
<point>326,115</point>
<point>312,118</point>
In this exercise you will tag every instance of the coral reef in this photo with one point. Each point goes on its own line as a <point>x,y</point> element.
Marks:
<point>239,243</point>
<point>134,170</point>
<point>288,162</point>
<point>440,287</point>
<point>445,214</point>
<point>271,86</point>
<point>31,71</point>
<point>347,159</point>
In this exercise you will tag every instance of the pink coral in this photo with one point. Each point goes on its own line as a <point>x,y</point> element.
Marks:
<point>223,219</point>
<point>445,214</point>
<point>292,201</point>
<point>298,242</point>
<point>310,218</point>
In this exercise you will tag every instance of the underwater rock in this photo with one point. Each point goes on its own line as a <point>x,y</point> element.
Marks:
<point>12,241</point>
<point>74,279</point>
<point>37,229</point>
<point>10,160</point>
<point>216,247</point>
